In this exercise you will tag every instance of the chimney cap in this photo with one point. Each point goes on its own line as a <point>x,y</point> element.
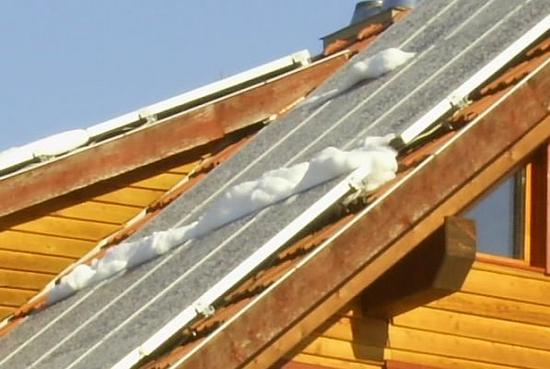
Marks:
<point>366,9</point>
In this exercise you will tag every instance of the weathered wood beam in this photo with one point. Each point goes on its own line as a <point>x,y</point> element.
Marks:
<point>171,136</point>
<point>436,268</point>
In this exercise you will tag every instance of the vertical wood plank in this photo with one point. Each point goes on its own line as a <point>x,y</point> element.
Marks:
<point>547,212</point>
<point>538,231</point>
<point>528,210</point>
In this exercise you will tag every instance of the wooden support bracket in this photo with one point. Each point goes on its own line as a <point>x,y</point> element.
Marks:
<point>438,267</point>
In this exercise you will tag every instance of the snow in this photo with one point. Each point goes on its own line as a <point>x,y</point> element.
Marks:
<point>243,199</point>
<point>60,143</point>
<point>14,156</point>
<point>381,63</point>
<point>279,184</point>
<point>47,147</point>
<point>373,67</point>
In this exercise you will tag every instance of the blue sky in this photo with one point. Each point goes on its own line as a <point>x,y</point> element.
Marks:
<point>70,64</point>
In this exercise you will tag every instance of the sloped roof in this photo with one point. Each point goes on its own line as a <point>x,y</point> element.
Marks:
<point>62,207</point>
<point>345,103</point>
<point>38,243</point>
<point>191,348</point>
<point>43,182</point>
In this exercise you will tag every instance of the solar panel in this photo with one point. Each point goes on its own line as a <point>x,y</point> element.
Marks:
<point>98,327</point>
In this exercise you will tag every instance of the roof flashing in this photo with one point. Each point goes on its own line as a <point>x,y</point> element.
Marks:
<point>353,29</point>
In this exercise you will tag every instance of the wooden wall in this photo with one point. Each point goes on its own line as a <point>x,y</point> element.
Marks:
<point>499,320</point>
<point>38,243</point>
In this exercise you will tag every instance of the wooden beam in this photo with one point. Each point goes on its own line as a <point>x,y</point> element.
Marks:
<point>296,365</point>
<point>470,324</point>
<point>392,364</point>
<point>331,362</point>
<point>538,207</point>
<point>26,262</point>
<point>445,362</point>
<point>496,308</point>
<point>24,280</point>
<point>168,137</point>
<point>466,348</point>
<point>383,234</point>
<point>436,268</point>
<point>547,212</point>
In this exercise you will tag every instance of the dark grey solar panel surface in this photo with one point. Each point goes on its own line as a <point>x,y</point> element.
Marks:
<point>99,323</point>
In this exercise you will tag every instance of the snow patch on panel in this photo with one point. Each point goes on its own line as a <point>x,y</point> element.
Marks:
<point>374,156</point>
<point>15,156</point>
<point>59,144</point>
<point>45,148</point>
<point>373,67</point>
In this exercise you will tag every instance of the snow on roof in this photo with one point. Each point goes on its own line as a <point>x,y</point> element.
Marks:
<point>149,345</point>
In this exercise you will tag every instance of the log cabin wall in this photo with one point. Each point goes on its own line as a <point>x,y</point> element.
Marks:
<point>500,319</point>
<point>38,243</point>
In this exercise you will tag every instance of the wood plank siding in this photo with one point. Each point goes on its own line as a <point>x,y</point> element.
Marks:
<point>38,243</point>
<point>500,319</point>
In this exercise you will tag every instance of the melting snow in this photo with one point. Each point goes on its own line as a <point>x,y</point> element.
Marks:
<point>243,199</point>
<point>60,143</point>
<point>374,154</point>
<point>14,156</point>
<point>47,147</point>
<point>370,68</point>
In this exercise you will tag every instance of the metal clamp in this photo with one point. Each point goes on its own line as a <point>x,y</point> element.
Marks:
<point>203,309</point>
<point>458,102</point>
<point>147,116</point>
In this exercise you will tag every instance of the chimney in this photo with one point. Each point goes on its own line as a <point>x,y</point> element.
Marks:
<point>366,9</point>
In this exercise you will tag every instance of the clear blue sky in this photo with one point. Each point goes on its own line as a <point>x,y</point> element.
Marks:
<point>73,63</point>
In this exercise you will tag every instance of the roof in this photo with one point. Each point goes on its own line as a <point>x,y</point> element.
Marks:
<point>298,292</point>
<point>63,207</point>
<point>274,288</point>
<point>42,241</point>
